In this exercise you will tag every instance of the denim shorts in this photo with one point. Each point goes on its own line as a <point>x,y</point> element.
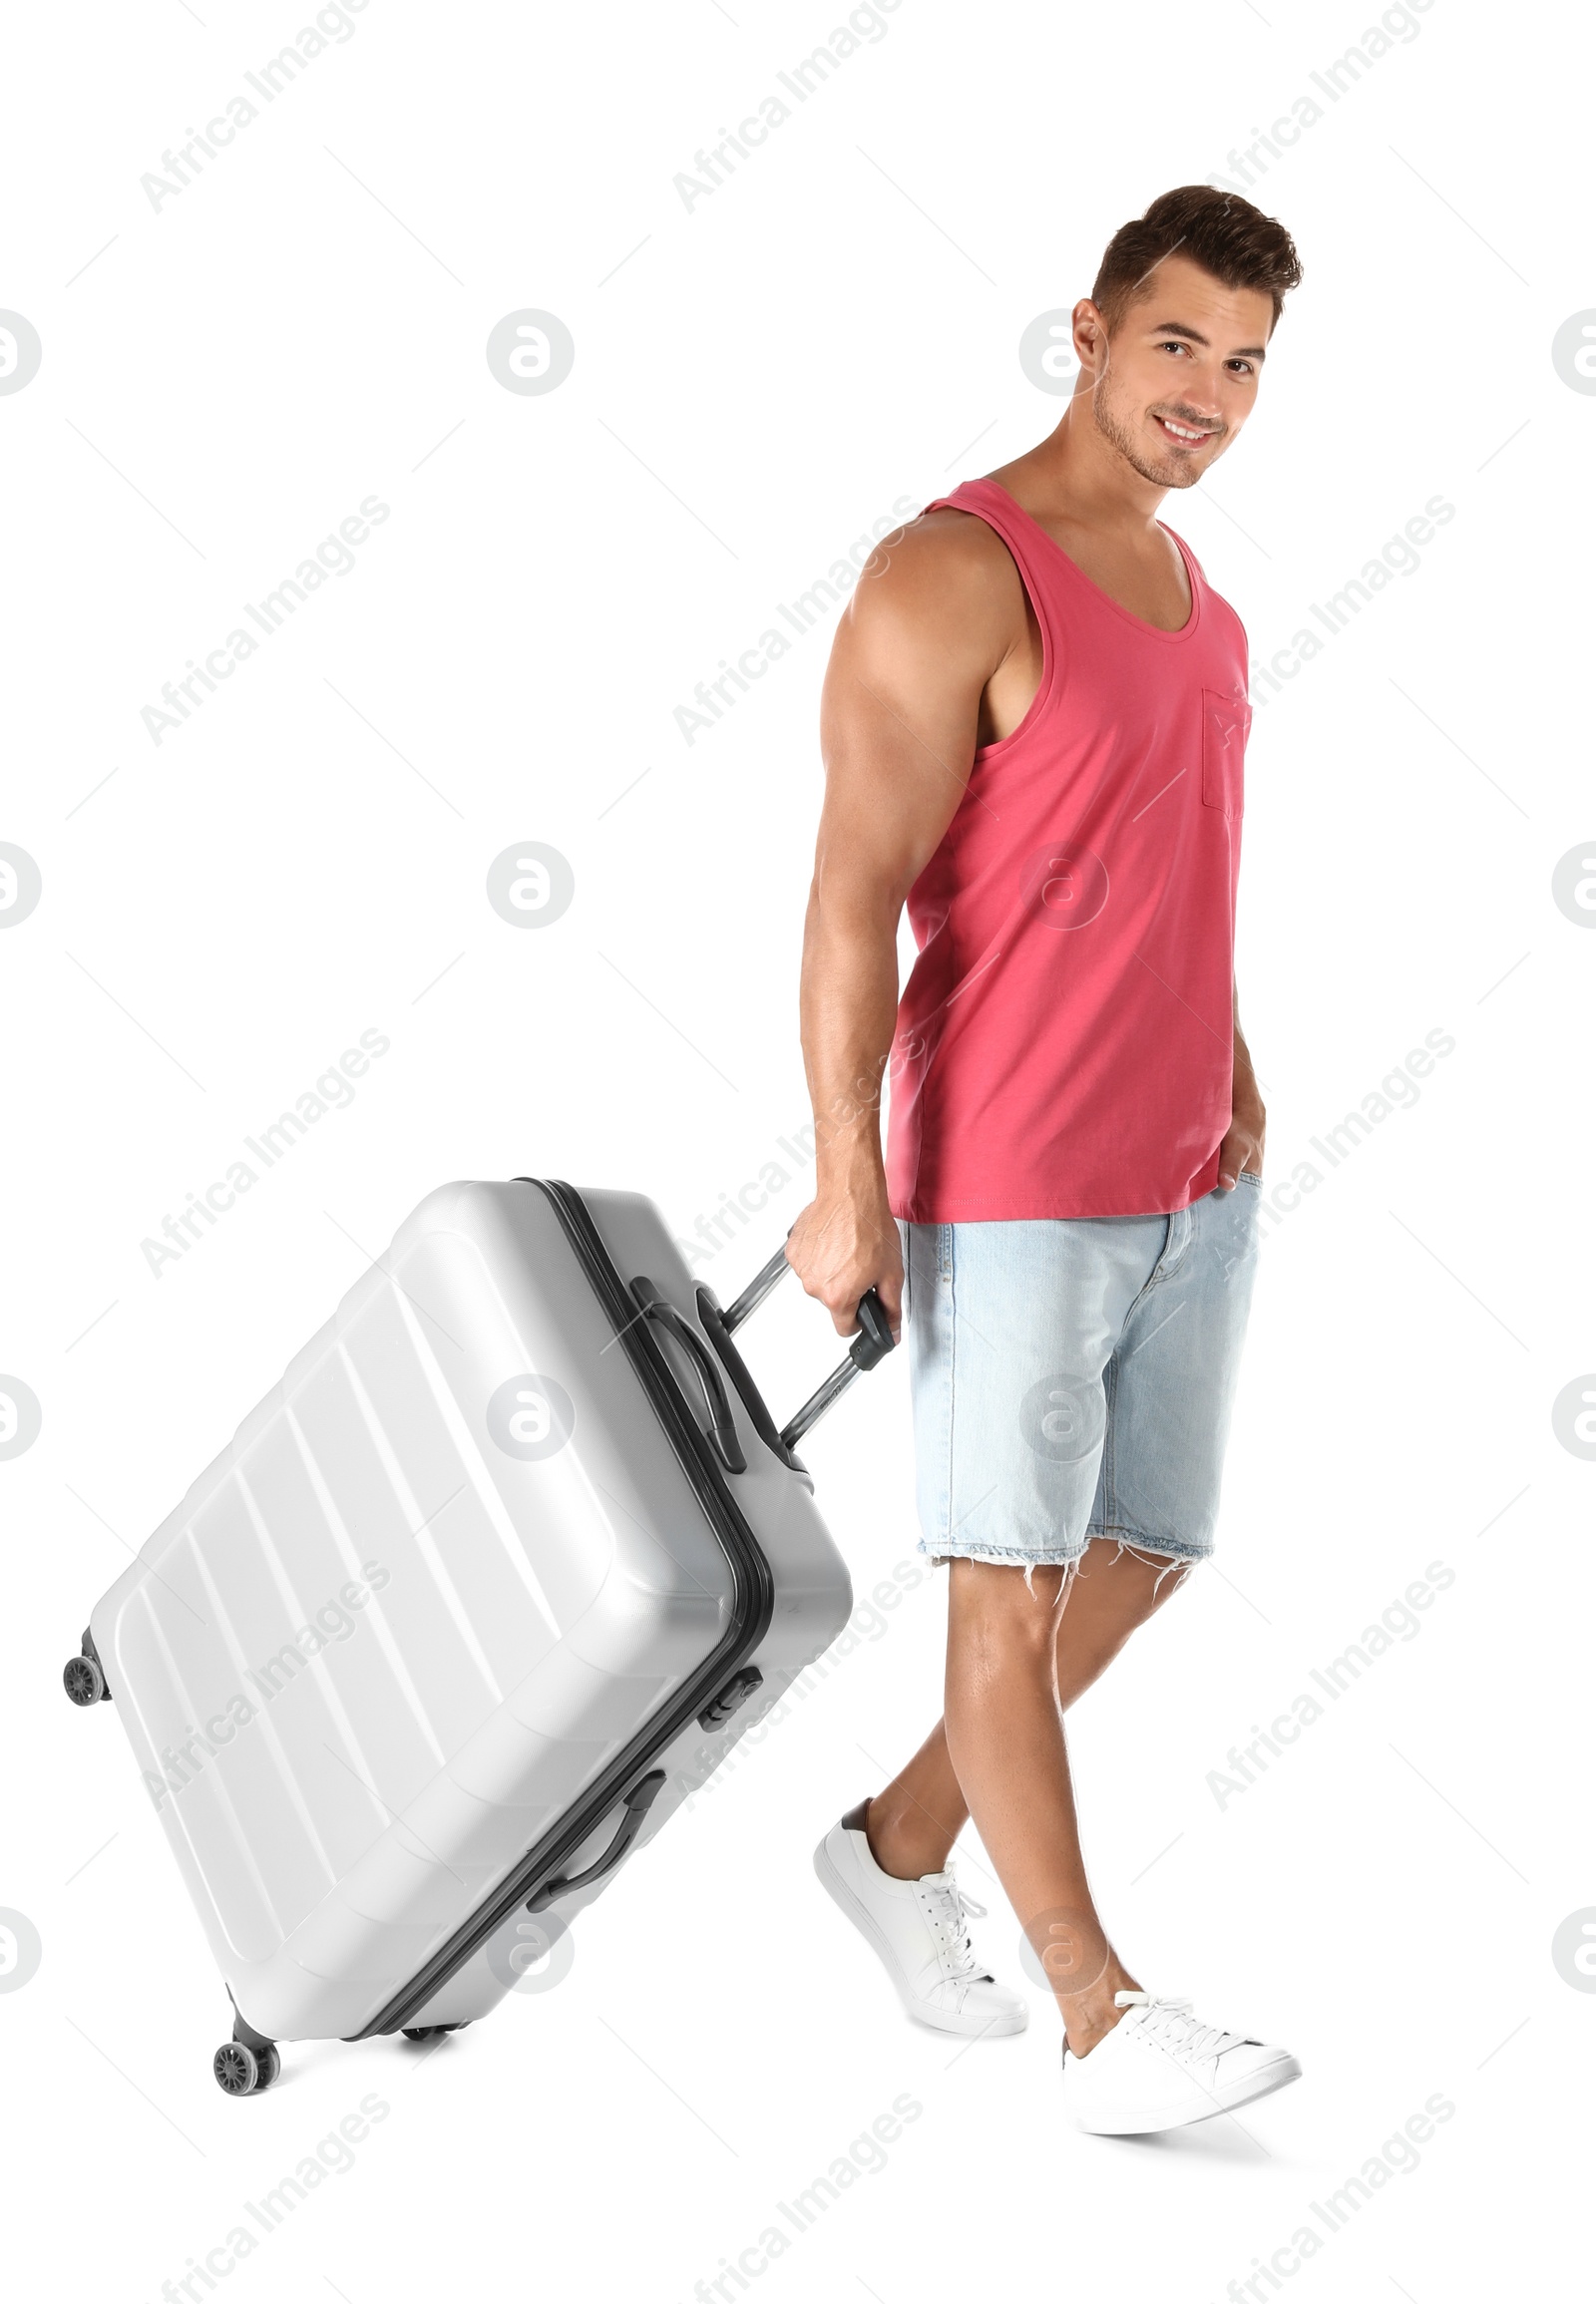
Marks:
<point>1073,1377</point>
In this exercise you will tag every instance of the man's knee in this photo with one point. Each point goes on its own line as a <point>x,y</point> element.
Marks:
<point>1118,1578</point>
<point>996,1603</point>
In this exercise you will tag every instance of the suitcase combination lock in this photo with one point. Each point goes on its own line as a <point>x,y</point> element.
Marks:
<point>737,1690</point>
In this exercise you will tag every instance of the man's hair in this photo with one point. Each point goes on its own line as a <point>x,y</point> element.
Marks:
<point>1219,231</point>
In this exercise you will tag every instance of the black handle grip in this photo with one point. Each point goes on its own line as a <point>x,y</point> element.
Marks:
<point>875,1339</point>
<point>867,1350</point>
<point>722,1428</point>
<point>637,1804</point>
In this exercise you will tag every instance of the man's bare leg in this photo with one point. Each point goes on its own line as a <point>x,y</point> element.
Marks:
<point>1017,1659</point>
<point>914,1824</point>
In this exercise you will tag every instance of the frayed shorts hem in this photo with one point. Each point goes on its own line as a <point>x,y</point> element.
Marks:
<point>1012,1556</point>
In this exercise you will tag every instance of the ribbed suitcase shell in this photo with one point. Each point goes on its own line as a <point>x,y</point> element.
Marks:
<point>377,1670</point>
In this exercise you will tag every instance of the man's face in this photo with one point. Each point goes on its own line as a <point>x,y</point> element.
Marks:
<point>1177,382</point>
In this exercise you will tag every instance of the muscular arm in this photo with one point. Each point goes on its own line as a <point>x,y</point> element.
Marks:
<point>938,610</point>
<point>1243,1146</point>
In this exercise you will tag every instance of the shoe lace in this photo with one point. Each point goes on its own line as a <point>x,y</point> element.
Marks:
<point>1172,2025</point>
<point>950,1911</point>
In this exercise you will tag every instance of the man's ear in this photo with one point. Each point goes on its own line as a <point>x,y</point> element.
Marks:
<point>1090,333</point>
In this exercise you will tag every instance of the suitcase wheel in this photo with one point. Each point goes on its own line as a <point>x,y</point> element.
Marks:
<point>243,2070</point>
<point>83,1679</point>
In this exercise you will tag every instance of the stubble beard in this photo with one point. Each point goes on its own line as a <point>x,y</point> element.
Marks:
<point>1175,473</point>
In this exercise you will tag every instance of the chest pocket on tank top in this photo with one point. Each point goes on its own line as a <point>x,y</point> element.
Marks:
<point>1226,720</point>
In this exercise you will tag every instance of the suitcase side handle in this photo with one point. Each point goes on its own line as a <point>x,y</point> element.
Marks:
<point>722,1428</point>
<point>867,1350</point>
<point>637,1804</point>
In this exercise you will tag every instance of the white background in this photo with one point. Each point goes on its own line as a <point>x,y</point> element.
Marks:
<point>222,381</point>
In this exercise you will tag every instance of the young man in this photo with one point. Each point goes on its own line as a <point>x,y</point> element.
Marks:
<point>1033,726</point>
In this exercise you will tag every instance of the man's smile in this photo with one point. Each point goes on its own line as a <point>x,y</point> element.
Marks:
<point>1185,435</point>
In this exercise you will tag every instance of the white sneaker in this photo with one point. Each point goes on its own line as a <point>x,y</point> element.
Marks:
<point>1160,2069</point>
<point>919,1929</point>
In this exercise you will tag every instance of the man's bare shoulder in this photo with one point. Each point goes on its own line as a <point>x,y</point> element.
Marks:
<point>947,579</point>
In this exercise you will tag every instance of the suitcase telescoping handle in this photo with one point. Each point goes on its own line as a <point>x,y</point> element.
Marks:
<point>867,1349</point>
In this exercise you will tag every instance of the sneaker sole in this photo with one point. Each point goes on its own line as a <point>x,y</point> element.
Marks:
<point>1275,2076</point>
<point>837,1888</point>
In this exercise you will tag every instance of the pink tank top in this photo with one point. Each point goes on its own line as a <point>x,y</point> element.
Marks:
<point>1065,1040</point>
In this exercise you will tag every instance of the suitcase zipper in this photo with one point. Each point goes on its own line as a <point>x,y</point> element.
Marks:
<point>753,1600</point>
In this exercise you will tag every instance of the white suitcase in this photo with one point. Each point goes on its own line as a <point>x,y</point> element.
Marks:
<point>481,1591</point>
